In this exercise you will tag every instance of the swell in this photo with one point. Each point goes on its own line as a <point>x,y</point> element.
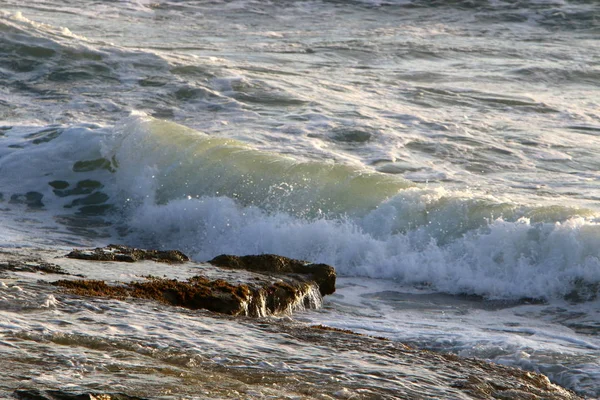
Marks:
<point>210,195</point>
<point>153,183</point>
<point>171,162</point>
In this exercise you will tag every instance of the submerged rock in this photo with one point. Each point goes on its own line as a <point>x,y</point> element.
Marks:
<point>287,359</point>
<point>30,199</point>
<point>33,394</point>
<point>460,377</point>
<point>345,331</point>
<point>115,252</point>
<point>32,265</point>
<point>322,274</point>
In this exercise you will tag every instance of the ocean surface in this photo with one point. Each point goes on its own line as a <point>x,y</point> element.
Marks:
<point>444,156</point>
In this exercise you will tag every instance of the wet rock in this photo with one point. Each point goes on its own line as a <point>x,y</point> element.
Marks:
<point>351,135</point>
<point>93,288</point>
<point>345,331</point>
<point>94,198</point>
<point>116,252</point>
<point>32,266</point>
<point>198,292</point>
<point>92,165</point>
<point>400,371</point>
<point>583,291</point>
<point>332,329</point>
<point>34,394</point>
<point>322,274</point>
<point>269,285</point>
<point>85,186</point>
<point>30,199</point>
<point>506,383</point>
<point>472,378</point>
<point>95,210</point>
<point>60,185</point>
<point>45,135</point>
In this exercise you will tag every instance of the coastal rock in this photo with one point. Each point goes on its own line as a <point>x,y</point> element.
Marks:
<point>215,367</point>
<point>31,265</point>
<point>250,299</point>
<point>322,274</point>
<point>197,293</point>
<point>470,377</point>
<point>115,252</point>
<point>33,394</point>
<point>270,285</point>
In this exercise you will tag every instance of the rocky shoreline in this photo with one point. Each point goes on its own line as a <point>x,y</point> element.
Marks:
<point>275,285</point>
<point>245,288</point>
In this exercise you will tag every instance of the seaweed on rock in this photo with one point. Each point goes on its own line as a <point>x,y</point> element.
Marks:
<point>116,252</point>
<point>199,292</point>
<point>273,285</point>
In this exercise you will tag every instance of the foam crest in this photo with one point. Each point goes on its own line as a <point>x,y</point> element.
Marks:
<point>501,260</point>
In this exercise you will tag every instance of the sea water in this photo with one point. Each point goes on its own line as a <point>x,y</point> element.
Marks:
<point>443,156</point>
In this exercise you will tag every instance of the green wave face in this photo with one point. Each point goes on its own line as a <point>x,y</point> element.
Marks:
<point>158,162</point>
<point>179,162</point>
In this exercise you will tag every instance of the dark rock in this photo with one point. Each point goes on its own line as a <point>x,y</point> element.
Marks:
<point>346,331</point>
<point>96,210</point>
<point>199,292</point>
<point>31,199</point>
<point>85,186</point>
<point>93,288</point>
<point>34,394</point>
<point>92,165</point>
<point>59,184</point>
<point>94,198</point>
<point>322,274</point>
<point>45,135</point>
<point>32,266</point>
<point>115,252</point>
<point>351,135</point>
<point>273,285</point>
<point>583,291</point>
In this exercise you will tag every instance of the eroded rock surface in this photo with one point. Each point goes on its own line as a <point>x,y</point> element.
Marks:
<point>476,378</point>
<point>274,285</point>
<point>14,262</point>
<point>198,292</point>
<point>322,274</point>
<point>33,394</point>
<point>276,358</point>
<point>115,252</point>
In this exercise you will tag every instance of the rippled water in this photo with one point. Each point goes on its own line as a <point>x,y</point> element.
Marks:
<point>446,150</point>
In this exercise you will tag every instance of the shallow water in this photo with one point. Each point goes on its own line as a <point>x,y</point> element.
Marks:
<point>56,340</point>
<point>446,151</point>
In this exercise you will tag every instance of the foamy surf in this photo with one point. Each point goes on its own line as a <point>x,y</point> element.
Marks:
<point>161,184</point>
<point>442,155</point>
<point>182,188</point>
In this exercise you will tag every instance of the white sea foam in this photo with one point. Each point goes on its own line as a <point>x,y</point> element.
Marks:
<point>456,242</point>
<point>164,186</point>
<point>501,260</point>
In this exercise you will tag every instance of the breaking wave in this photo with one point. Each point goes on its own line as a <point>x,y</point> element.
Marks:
<point>208,195</point>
